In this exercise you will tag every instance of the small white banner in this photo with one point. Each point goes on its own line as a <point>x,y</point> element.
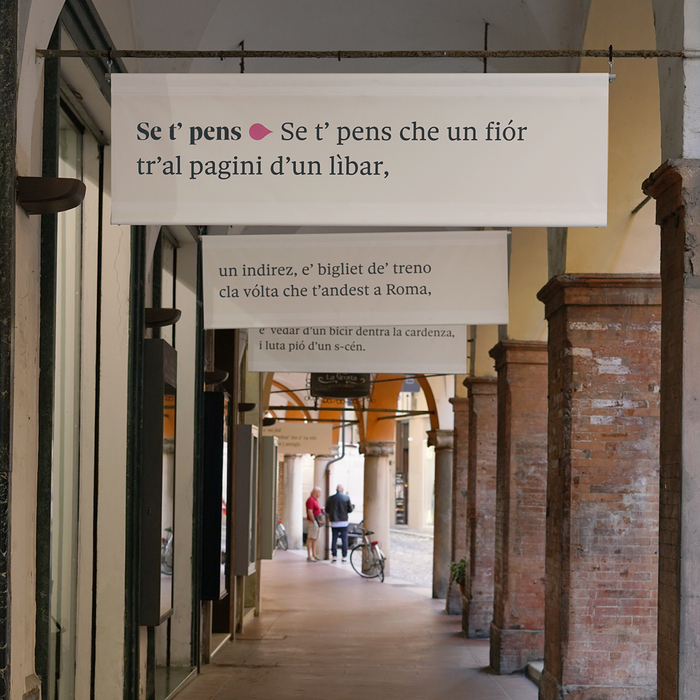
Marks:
<point>424,278</point>
<point>347,349</point>
<point>360,150</point>
<point>302,438</point>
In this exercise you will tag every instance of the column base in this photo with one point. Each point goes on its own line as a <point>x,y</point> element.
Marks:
<point>477,614</point>
<point>453,604</point>
<point>550,689</point>
<point>513,650</point>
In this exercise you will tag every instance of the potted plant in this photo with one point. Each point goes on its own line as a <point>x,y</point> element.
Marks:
<point>458,573</point>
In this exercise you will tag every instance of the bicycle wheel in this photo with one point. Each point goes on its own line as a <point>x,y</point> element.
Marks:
<point>363,561</point>
<point>282,542</point>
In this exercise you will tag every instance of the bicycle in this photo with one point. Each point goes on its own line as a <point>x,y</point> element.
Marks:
<point>367,558</point>
<point>281,537</point>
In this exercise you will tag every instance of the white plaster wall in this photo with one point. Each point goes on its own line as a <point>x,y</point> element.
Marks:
<point>486,338</point>
<point>36,22</point>
<point>111,527</point>
<point>630,242</point>
<point>421,470</point>
<point>678,28</point>
<point>24,457</point>
<point>87,417</point>
<point>443,390</point>
<point>528,274</point>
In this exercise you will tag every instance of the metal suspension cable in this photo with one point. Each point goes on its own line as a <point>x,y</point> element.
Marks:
<point>338,55</point>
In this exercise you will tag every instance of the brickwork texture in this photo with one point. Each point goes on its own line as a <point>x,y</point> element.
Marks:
<point>602,492</point>
<point>459,495</point>
<point>517,631</point>
<point>477,608</point>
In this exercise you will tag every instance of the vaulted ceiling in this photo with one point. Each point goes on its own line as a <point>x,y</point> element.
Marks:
<point>333,25</point>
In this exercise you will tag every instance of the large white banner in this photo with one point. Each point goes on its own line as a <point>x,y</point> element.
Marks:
<point>362,150</point>
<point>348,349</point>
<point>360,279</point>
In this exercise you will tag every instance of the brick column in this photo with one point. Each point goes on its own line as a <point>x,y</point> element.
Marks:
<point>675,186</point>
<point>602,490</point>
<point>443,442</point>
<point>460,459</point>
<point>517,630</point>
<point>477,605</point>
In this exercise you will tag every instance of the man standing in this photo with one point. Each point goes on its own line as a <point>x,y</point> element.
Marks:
<point>337,508</point>
<point>313,510</point>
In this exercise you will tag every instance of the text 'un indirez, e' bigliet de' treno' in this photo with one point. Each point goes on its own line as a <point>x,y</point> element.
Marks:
<point>256,290</point>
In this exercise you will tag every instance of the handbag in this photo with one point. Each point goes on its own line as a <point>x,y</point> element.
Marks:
<point>321,519</point>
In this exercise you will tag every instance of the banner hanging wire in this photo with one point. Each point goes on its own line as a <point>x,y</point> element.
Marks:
<point>335,55</point>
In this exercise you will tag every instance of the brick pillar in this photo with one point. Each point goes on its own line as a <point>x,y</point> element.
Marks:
<point>675,186</point>
<point>460,459</point>
<point>477,605</point>
<point>517,630</point>
<point>602,491</point>
<point>442,441</point>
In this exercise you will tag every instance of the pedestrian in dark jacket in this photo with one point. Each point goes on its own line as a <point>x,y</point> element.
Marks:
<point>337,508</point>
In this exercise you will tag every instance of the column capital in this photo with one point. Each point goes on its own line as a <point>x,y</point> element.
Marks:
<point>522,352</point>
<point>459,403</point>
<point>669,176</point>
<point>377,448</point>
<point>441,439</point>
<point>600,290</point>
<point>481,385</point>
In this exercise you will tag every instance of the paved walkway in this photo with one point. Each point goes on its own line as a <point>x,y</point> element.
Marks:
<point>327,633</point>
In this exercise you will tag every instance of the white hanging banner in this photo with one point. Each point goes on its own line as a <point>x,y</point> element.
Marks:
<point>360,149</point>
<point>399,349</point>
<point>407,278</point>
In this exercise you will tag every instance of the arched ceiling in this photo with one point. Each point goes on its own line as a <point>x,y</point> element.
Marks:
<point>347,25</point>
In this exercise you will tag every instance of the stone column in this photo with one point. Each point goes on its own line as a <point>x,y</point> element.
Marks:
<point>320,480</point>
<point>517,630</point>
<point>477,605</point>
<point>377,492</point>
<point>675,186</point>
<point>460,459</point>
<point>443,442</point>
<point>602,487</point>
<point>294,509</point>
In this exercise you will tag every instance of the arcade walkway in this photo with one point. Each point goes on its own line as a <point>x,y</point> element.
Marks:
<point>327,633</point>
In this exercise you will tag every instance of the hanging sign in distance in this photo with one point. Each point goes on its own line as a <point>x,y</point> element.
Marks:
<point>360,149</point>
<point>295,437</point>
<point>382,279</point>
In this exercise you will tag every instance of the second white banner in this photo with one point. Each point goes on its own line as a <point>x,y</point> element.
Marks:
<point>383,279</point>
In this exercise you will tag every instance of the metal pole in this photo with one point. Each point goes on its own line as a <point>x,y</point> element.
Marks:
<point>481,55</point>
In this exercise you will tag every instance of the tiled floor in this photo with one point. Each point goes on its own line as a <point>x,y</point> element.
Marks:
<point>327,633</point>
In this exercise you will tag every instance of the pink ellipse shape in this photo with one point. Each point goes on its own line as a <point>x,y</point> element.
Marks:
<point>258,132</point>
